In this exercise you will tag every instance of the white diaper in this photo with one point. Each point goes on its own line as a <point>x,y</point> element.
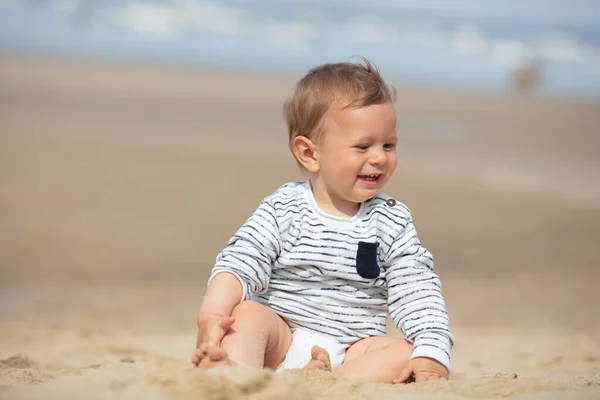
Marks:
<point>299,353</point>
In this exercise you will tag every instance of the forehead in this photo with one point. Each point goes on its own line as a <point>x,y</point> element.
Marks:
<point>372,119</point>
<point>368,111</point>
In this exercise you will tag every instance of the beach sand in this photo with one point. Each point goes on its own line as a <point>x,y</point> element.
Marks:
<point>119,185</point>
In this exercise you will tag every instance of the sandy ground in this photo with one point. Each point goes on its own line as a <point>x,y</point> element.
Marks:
<point>118,186</point>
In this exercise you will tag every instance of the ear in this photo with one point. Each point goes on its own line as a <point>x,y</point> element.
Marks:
<point>306,153</point>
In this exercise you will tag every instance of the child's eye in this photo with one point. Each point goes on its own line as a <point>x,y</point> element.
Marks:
<point>389,146</point>
<point>362,146</point>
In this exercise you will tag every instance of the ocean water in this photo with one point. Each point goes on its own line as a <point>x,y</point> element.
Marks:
<point>460,43</point>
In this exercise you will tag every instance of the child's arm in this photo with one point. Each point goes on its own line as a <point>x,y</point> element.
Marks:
<point>222,295</point>
<point>415,297</point>
<point>251,252</point>
<point>214,318</point>
<point>242,269</point>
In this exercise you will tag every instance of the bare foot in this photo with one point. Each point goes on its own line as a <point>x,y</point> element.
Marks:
<point>214,357</point>
<point>320,360</point>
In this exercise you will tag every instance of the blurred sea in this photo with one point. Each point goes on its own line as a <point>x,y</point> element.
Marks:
<point>464,44</point>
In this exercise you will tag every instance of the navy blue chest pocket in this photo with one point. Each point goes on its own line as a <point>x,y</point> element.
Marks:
<point>367,264</point>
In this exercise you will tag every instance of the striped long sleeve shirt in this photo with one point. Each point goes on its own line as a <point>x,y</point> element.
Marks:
<point>302,263</point>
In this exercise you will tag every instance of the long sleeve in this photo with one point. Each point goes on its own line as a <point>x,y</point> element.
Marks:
<point>250,253</point>
<point>415,299</point>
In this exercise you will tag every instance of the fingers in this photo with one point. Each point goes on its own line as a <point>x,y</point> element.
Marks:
<point>197,356</point>
<point>215,332</point>
<point>407,373</point>
<point>200,353</point>
<point>422,377</point>
<point>210,336</point>
<point>404,375</point>
<point>214,336</point>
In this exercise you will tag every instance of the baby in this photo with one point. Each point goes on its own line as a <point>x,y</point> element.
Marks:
<point>309,279</point>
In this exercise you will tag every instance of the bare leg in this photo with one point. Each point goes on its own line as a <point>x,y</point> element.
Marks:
<point>320,360</point>
<point>376,359</point>
<point>258,338</point>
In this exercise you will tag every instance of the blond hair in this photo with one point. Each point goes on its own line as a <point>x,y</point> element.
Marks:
<point>345,85</point>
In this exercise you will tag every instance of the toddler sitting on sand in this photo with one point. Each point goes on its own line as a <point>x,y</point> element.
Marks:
<point>309,279</point>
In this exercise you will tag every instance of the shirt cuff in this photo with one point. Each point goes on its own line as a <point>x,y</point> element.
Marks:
<point>244,287</point>
<point>433,345</point>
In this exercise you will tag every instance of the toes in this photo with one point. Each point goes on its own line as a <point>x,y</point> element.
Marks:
<point>319,353</point>
<point>320,359</point>
<point>315,352</point>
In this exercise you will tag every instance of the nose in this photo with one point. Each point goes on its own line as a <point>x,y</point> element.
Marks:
<point>378,157</point>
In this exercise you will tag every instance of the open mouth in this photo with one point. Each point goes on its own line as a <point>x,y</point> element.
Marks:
<point>370,178</point>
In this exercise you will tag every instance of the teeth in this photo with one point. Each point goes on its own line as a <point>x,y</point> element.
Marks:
<point>371,177</point>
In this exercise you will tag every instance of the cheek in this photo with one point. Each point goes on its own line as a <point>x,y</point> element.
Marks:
<point>348,160</point>
<point>353,163</point>
<point>392,162</point>
<point>344,169</point>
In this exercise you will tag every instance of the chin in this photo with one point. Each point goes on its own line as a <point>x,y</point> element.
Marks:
<point>364,196</point>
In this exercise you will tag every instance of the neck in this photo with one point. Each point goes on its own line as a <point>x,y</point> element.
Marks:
<point>330,203</point>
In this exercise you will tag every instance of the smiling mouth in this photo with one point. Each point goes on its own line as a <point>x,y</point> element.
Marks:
<point>370,178</point>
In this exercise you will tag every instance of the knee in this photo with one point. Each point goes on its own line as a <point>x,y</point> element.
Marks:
<point>403,350</point>
<point>248,308</point>
<point>402,346</point>
<point>253,316</point>
<point>395,351</point>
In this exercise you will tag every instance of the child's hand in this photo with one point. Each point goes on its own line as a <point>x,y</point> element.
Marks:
<point>423,369</point>
<point>211,332</point>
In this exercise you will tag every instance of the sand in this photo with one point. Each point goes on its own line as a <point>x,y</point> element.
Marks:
<point>119,185</point>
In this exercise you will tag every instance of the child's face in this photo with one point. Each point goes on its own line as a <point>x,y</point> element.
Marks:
<point>357,152</point>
